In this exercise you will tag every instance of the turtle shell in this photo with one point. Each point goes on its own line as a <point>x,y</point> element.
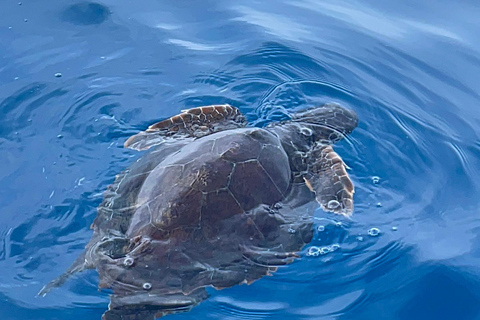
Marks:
<point>212,179</point>
<point>197,213</point>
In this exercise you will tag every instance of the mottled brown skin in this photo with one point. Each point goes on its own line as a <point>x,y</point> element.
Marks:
<point>211,206</point>
<point>197,122</point>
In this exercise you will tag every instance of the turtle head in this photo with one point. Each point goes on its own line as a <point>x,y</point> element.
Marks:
<point>327,124</point>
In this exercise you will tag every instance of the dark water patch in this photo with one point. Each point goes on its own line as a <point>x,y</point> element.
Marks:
<point>85,13</point>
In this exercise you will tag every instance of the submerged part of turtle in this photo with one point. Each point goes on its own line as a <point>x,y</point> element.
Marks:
<point>213,204</point>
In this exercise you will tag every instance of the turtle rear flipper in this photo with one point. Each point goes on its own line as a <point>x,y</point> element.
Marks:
<point>77,266</point>
<point>328,179</point>
<point>195,123</point>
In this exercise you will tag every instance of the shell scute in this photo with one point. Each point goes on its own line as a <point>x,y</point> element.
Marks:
<point>213,176</point>
<point>251,185</point>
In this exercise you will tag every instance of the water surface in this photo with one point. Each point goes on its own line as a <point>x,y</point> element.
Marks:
<point>78,78</point>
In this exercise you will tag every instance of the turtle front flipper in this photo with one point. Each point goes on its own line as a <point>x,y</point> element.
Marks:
<point>195,123</point>
<point>328,179</point>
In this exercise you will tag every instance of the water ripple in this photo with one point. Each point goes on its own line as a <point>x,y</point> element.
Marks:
<point>411,76</point>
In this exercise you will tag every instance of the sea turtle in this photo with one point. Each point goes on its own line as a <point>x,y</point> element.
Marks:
<point>213,203</point>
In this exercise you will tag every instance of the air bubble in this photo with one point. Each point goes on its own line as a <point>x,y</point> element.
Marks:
<point>379,204</point>
<point>324,250</point>
<point>334,247</point>
<point>147,286</point>
<point>291,230</point>
<point>333,136</point>
<point>333,204</point>
<point>313,251</point>
<point>394,228</point>
<point>320,228</point>
<point>58,75</point>
<point>338,224</point>
<point>375,179</point>
<point>128,262</point>
<point>373,232</point>
<point>306,131</point>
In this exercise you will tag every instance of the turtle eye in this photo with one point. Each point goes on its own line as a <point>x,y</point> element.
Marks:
<point>306,131</point>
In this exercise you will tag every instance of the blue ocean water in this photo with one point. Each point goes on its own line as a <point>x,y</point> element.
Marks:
<point>78,78</point>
